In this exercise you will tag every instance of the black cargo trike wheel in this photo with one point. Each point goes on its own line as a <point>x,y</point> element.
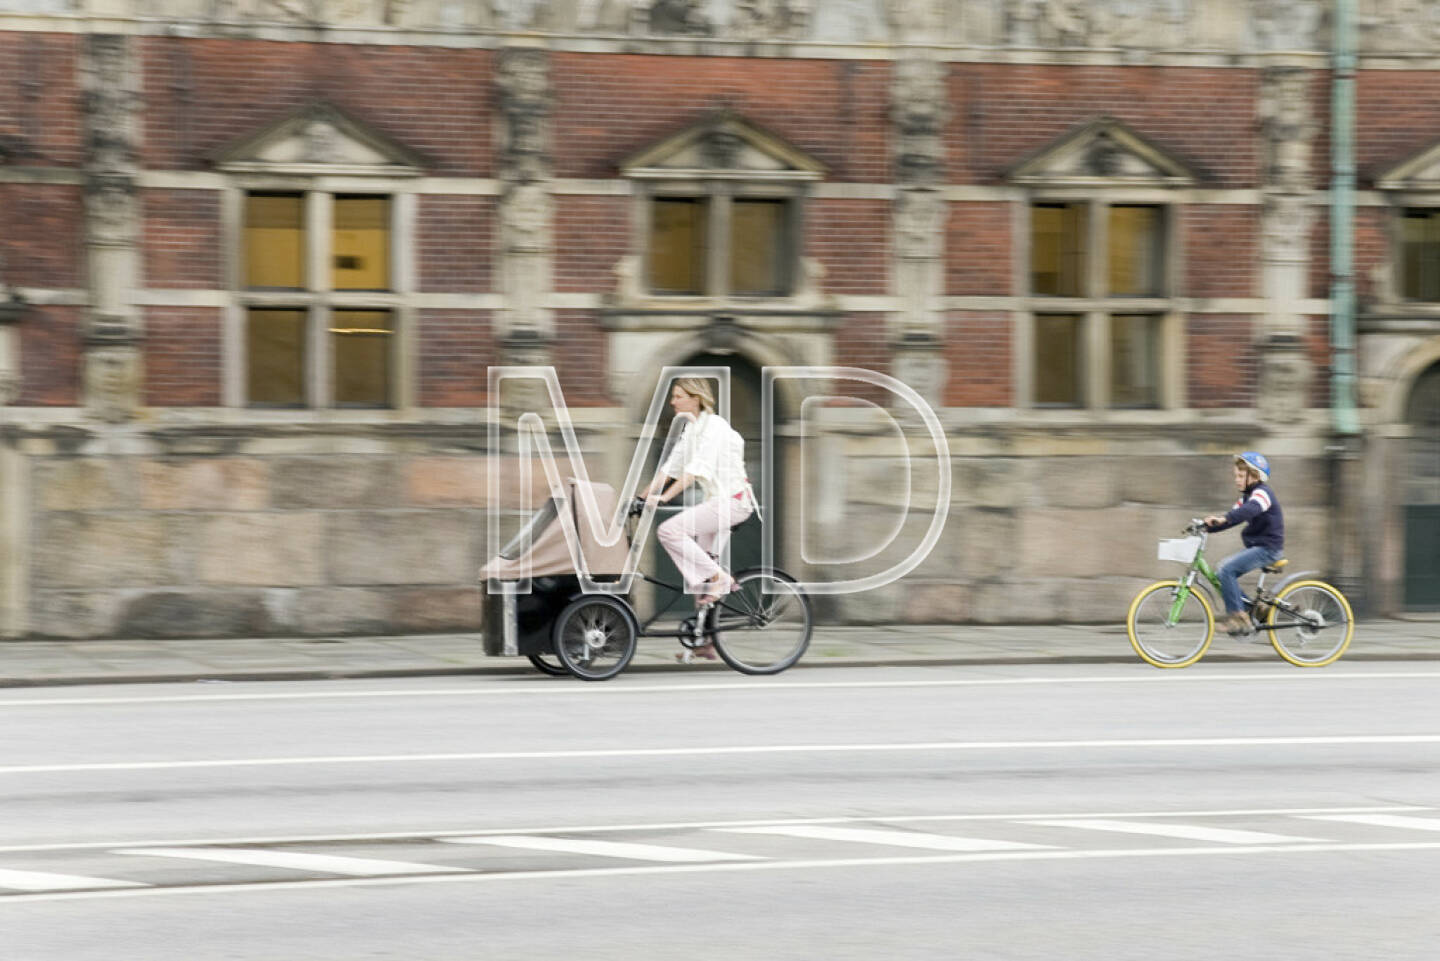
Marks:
<point>595,637</point>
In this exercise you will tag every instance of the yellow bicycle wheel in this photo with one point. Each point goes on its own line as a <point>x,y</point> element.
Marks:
<point>1318,623</point>
<point>1167,637</point>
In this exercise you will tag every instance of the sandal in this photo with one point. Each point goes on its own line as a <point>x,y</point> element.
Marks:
<point>731,586</point>
<point>689,655</point>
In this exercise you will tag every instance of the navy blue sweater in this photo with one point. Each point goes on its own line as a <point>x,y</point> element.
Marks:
<point>1259,510</point>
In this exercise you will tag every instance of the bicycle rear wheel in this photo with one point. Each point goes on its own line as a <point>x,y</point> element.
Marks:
<point>1167,631</point>
<point>1320,624</point>
<point>764,625</point>
<point>595,637</point>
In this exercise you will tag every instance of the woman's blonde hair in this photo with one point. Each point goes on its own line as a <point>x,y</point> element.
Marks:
<point>699,388</point>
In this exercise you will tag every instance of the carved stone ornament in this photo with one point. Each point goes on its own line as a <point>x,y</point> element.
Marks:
<point>112,207</point>
<point>1288,24</point>
<point>916,19</point>
<point>1285,234</point>
<point>1145,24</point>
<point>672,17</point>
<point>918,105</point>
<point>918,361</point>
<point>920,224</point>
<point>1285,119</point>
<point>525,213</point>
<point>721,148</point>
<point>524,81</point>
<point>113,381</point>
<point>1285,376</point>
<point>771,19</point>
<point>1395,26</point>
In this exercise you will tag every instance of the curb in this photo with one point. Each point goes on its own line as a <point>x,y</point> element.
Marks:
<point>283,674</point>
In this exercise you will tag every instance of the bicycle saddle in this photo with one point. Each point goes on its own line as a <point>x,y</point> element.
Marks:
<point>1276,567</point>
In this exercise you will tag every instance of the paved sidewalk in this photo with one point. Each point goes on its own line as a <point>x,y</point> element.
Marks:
<point>31,663</point>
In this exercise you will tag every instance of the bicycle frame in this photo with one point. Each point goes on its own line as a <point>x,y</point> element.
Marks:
<point>1201,566</point>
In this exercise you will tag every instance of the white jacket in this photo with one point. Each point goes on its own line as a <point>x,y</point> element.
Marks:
<point>712,452</point>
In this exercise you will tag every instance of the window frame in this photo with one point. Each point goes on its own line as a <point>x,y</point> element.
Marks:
<point>318,300</point>
<point>1095,306</point>
<point>718,196</point>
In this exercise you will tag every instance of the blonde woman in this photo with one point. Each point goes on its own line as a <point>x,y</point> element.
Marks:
<point>710,453</point>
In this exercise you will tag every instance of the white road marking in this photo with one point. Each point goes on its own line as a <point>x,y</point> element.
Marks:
<point>728,866</point>
<point>421,835</point>
<point>1190,832</point>
<point>326,863</point>
<point>607,849</point>
<point>739,685</point>
<point>895,839</point>
<point>732,750</point>
<point>1380,820</point>
<point>45,881</point>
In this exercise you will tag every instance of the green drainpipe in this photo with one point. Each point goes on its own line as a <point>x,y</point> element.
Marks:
<point>1342,219</point>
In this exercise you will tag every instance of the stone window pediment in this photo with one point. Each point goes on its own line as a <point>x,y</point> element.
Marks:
<point>723,146</point>
<point>319,139</point>
<point>1419,173</point>
<point>1102,153</point>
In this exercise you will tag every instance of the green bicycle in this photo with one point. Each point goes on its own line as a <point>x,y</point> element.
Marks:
<point>1172,622</point>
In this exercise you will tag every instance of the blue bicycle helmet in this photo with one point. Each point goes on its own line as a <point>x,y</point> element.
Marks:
<point>1255,461</point>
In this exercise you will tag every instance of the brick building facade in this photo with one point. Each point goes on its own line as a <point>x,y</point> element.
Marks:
<point>262,255</point>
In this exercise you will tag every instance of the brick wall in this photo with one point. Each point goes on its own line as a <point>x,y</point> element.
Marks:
<point>1001,113</point>
<point>609,106</point>
<point>1222,251</point>
<point>209,93</point>
<point>581,358</point>
<point>978,243</point>
<point>181,238</point>
<point>1397,114</point>
<point>50,357</point>
<point>455,241</point>
<point>851,238</point>
<point>43,239</point>
<point>182,357</point>
<point>862,341</point>
<point>455,347</point>
<point>40,121</point>
<point>591,234</point>
<point>978,349</point>
<point>1222,365</point>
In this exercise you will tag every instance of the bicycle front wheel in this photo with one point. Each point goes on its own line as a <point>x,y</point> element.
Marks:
<point>1167,630</point>
<point>764,625</point>
<point>1310,624</point>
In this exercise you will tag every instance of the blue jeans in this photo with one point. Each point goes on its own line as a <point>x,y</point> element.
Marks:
<point>1233,566</point>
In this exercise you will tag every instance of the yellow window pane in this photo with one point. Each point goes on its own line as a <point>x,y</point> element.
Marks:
<point>1135,252</point>
<point>362,349</point>
<point>677,246</point>
<point>361,245</point>
<point>1057,250</point>
<point>275,358</point>
<point>1420,273</point>
<point>275,240</point>
<point>758,247</point>
<point>1057,360</point>
<point>1134,360</point>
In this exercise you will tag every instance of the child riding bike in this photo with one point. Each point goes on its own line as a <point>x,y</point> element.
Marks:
<point>1264,534</point>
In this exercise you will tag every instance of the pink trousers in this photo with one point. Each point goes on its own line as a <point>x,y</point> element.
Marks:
<point>696,533</point>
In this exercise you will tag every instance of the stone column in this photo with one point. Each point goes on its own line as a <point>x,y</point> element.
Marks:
<point>525,326</point>
<point>14,487</point>
<point>917,259</point>
<point>112,369</point>
<point>1286,221</point>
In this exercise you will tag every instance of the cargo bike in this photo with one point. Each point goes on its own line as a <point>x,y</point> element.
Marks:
<point>762,627</point>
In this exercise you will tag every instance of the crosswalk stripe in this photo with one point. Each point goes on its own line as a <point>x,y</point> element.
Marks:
<point>608,849</point>
<point>299,861</point>
<point>1190,832</point>
<point>1381,820</point>
<point>45,881</point>
<point>897,839</point>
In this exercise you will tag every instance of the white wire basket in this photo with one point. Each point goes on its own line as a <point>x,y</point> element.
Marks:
<point>1181,549</point>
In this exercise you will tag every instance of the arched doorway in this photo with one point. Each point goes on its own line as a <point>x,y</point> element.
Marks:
<point>745,543</point>
<point>1422,494</point>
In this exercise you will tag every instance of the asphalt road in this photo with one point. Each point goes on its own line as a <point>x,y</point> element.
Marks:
<point>1066,811</point>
